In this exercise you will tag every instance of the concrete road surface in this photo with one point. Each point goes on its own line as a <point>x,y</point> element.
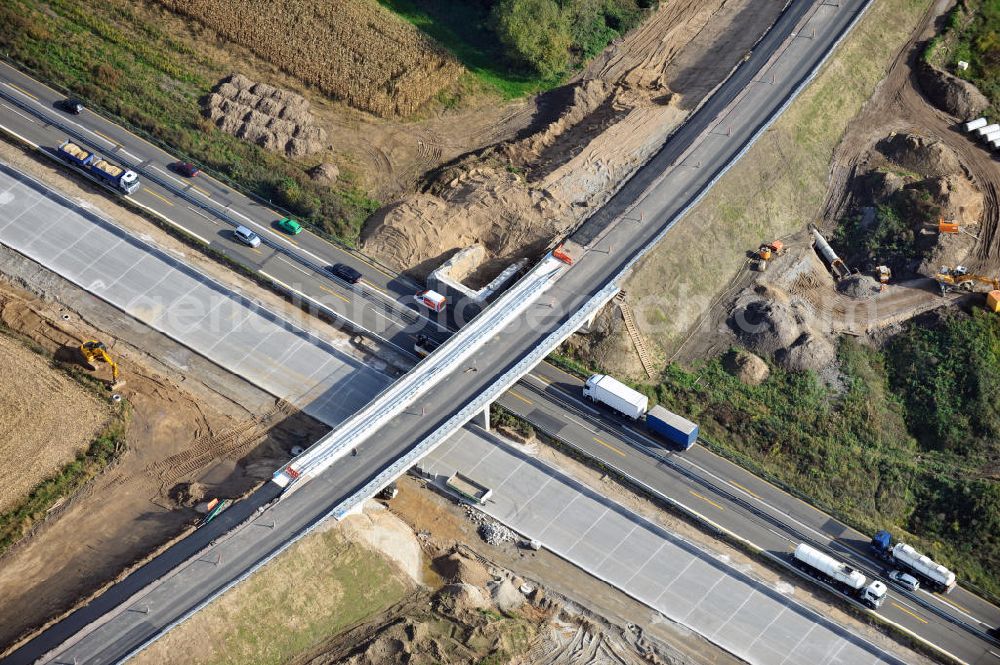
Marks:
<point>167,295</point>
<point>669,574</point>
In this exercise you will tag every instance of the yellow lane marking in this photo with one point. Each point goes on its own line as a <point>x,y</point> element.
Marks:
<point>372,286</point>
<point>736,484</point>
<point>332,292</point>
<point>705,498</point>
<point>953,604</point>
<point>105,137</point>
<point>542,379</point>
<point>903,609</point>
<point>519,396</point>
<point>199,189</point>
<point>151,192</point>
<point>292,241</point>
<point>23,91</point>
<point>609,446</point>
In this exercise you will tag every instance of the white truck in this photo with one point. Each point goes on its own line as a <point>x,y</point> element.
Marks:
<point>612,392</point>
<point>840,575</point>
<point>906,558</point>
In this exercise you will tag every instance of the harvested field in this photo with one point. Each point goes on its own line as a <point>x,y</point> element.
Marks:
<point>353,50</point>
<point>46,418</point>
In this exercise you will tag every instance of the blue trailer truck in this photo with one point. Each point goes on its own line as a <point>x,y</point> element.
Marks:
<point>110,174</point>
<point>670,426</point>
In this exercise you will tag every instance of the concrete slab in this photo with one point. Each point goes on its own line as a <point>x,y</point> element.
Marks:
<point>164,293</point>
<point>677,578</point>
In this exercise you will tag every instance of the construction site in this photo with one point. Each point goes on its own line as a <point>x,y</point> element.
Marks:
<point>122,440</point>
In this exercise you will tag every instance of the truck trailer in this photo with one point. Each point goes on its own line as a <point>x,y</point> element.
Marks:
<point>852,582</point>
<point>611,392</point>
<point>906,558</point>
<point>107,172</point>
<point>671,427</point>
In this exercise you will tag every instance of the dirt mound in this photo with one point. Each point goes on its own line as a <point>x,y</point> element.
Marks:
<point>859,286</point>
<point>456,599</point>
<point>747,367</point>
<point>325,173</point>
<point>272,118</point>
<point>809,352</point>
<point>951,94</point>
<point>458,568</point>
<point>765,325</point>
<point>187,494</point>
<point>927,157</point>
<point>506,596</point>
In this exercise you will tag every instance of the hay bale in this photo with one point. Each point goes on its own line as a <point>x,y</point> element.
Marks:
<point>246,98</point>
<point>227,90</point>
<point>263,90</point>
<point>240,82</point>
<point>750,369</point>
<point>325,173</point>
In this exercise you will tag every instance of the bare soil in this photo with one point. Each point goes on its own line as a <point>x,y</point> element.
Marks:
<point>46,418</point>
<point>517,196</point>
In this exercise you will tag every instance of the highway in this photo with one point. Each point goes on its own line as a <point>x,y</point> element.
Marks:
<point>731,497</point>
<point>662,203</point>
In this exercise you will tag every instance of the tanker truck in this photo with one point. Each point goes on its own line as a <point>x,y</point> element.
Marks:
<point>839,575</point>
<point>906,558</point>
<point>100,168</point>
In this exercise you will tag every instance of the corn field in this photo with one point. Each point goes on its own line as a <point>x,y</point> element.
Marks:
<point>353,50</point>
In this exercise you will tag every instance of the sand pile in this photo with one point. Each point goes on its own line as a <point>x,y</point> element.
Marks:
<point>747,367</point>
<point>270,117</point>
<point>506,596</point>
<point>859,286</point>
<point>916,153</point>
<point>459,568</point>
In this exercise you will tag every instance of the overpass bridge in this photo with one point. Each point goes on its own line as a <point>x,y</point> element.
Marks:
<point>469,371</point>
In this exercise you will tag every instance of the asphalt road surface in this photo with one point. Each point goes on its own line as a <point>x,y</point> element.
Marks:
<point>731,497</point>
<point>692,160</point>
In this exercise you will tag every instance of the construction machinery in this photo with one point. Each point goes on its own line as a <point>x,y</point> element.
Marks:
<point>884,274</point>
<point>766,252</point>
<point>960,279</point>
<point>93,352</point>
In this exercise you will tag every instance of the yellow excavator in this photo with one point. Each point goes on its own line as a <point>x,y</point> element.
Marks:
<point>93,352</point>
<point>959,278</point>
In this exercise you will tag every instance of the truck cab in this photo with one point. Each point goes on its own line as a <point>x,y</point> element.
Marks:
<point>881,544</point>
<point>874,594</point>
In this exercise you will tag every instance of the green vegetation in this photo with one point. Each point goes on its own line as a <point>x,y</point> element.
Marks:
<point>971,34</point>
<point>908,443</point>
<point>519,47</point>
<point>121,61</point>
<point>892,236</point>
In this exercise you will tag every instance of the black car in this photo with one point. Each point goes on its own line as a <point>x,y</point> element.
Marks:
<point>346,273</point>
<point>74,106</point>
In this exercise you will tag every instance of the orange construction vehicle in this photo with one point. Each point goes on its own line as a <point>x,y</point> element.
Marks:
<point>959,279</point>
<point>768,251</point>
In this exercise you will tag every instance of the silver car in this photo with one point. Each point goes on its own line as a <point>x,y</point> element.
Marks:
<point>246,236</point>
<point>904,580</point>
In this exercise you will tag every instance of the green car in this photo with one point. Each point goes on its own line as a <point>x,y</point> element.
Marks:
<point>290,226</point>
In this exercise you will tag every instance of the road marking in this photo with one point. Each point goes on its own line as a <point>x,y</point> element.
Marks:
<point>200,190</point>
<point>201,214</point>
<point>169,221</point>
<point>609,446</point>
<point>736,484</point>
<point>706,499</point>
<point>14,110</point>
<point>292,241</point>
<point>519,396</point>
<point>372,286</point>
<point>955,605</point>
<point>22,90</point>
<point>332,292</point>
<point>105,137</point>
<point>542,379</point>
<point>152,193</point>
<point>912,614</point>
<point>284,260</point>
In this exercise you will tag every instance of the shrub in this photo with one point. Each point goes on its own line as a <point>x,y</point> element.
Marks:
<point>535,32</point>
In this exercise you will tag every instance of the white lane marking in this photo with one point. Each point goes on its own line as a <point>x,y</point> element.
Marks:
<point>14,110</point>
<point>170,177</point>
<point>287,262</point>
<point>201,214</point>
<point>169,221</point>
<point>391,321</point>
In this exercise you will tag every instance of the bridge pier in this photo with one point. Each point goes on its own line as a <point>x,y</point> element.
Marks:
<point>483,418</point>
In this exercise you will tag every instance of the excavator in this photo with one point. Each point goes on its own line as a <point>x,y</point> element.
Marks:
<point>94,351</point>
<point>959,278</point>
